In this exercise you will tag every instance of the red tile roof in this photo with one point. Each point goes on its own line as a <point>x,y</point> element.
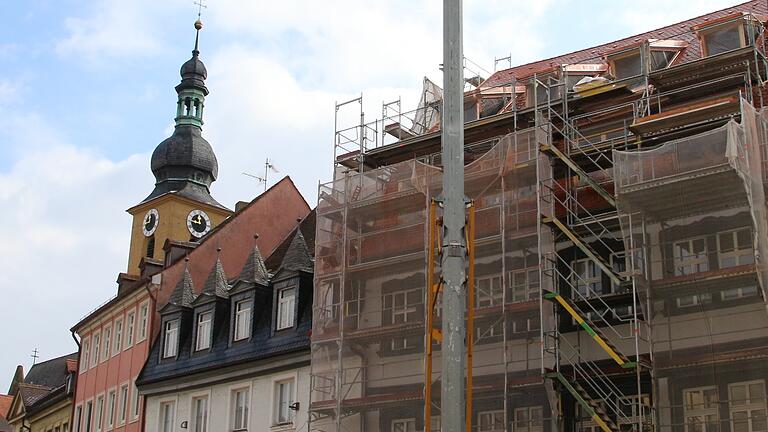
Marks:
<point>5,405</point>
<point>680,31</point>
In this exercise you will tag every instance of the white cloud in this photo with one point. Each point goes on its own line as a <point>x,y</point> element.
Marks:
<point>65,234</point>
<point>115,29</point>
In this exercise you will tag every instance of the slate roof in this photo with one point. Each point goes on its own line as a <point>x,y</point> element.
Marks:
<point>307,228</point>
<point>50,373</point>
<point>183,294</point>
<point>264,343</point>
<point>254,269</point>
<point>216,284</point>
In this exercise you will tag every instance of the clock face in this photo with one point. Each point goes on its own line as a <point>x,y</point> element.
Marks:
<point>198,223</point>
<point>151,220</point>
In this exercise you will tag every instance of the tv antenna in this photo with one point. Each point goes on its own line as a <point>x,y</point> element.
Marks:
<point>268,166</point>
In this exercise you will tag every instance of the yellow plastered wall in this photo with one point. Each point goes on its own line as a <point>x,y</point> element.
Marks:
<point>173,211</point>
<point>56,416</point>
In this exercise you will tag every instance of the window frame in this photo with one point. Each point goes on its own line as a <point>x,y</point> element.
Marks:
<point>112,406</point>
<point>494,295</point>
<point>698,264</point>
<point>233,408</point>
<point>143,317</point>
<point>117,336</point>
<point>739,22</point>
<point>530,289</point>
<point>95,354</point>
<point>78,417</point>
<point>165,355</point>
<point>737,253</point>
<point>407,421</point>
<point>208,339</point>
<point>701,412</point>
<point>193,411</point>
<point>106,337</point>
<point>593,283</point>
<point>237,323</point>
<point>98,417</point>
<point>85,353</point>
<point>749,405</point>
<point>624,54</point>
<point>494,421</point>
<point>163,410</point>
<point>277,420</point>
<point>282,322</point>
<point>123,404</point>
<point>135,405</point>
<point>130,328</point>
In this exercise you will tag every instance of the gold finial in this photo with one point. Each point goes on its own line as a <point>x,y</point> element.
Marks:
<point>198,24</point>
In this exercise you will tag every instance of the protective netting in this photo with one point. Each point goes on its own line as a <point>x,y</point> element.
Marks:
<point>368,340</point>
<point>693,218</point>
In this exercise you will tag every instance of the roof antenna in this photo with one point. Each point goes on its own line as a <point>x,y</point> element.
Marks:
<point>268,166</point>
<point>35,356</point>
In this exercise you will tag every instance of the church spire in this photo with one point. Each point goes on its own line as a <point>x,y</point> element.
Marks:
<point>192,90</point>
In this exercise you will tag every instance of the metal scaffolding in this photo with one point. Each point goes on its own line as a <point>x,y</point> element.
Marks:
<point>619,243</point>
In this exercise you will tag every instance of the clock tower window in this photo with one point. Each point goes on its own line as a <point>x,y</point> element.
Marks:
<point>151,247</point>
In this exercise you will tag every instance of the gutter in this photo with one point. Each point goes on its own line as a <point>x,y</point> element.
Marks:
<point>150,330</point>
<point>77,381</point>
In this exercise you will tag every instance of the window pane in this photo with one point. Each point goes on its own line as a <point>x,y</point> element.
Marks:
<point>722,40</point>
<point>627,66</point>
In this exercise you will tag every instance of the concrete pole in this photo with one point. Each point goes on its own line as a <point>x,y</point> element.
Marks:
<point>454,244</point>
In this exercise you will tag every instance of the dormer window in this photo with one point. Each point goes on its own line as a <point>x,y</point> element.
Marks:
<point>242,320</point>
<point>729,34</point>
<point>171,339</point>
<point>286,304</point>
<point>203,340</point>
<point>626,64</point>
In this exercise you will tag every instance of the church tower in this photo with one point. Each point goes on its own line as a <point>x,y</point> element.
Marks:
<point>181,206</point>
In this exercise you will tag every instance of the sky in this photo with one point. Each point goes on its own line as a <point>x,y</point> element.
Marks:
<point>87,92</point>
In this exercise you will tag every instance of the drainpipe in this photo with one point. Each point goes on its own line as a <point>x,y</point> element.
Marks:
<point>150,326</point>
<point>77,381</point>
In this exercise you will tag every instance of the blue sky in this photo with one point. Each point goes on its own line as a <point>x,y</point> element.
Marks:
<point>86,93</point>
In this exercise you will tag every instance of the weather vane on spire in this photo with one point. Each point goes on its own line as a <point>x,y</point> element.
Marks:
<point>200,6</point>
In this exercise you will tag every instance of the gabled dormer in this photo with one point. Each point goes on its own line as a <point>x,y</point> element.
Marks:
<point>247,293</point>
<point>209,310</point>
<point>292,286</point>
<point>175,318</point>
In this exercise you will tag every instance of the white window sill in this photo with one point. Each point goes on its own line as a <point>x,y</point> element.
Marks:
<point>282,427</point>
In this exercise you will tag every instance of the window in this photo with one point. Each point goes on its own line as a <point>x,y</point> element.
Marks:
<point>525,325</point>
<point>626,65</point>
<point>130,322</point>
<point>737,293</point>
<point>78,418</point>
<point>488,421</point>
<point>111,403</point>
<point>107,332</point>
<point>286,301</point>
<point>151,247</point>
<point>661,59</point>
<point>404,425</point>
<point>619,267</point>
<point>488,291</point>
<point>747,406</point>
<point>701,405</point>
<point>171,338</point>
<point>239,416</point>
<point>525,284</point>
<point>401,307</point>
<point>283,401</point>
<point>722,38</point>
<point>88,416</point>
<point>734,248</point>
<point>203,331</point>
<point>690,256</point>
<point>97,417</point>
<point>167,416</point>
<point>587,278</point>
<point>135,407</point>
<point>694,300</point>
<point>96,342</point>
<point>118,336</point>
<point>85,352</point>
<point>200,414</point>
<point>242,320</point>
<point>143,321</point>
<point>123,407</point>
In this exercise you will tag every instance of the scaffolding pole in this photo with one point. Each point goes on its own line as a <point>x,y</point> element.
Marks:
<point>454,254</point>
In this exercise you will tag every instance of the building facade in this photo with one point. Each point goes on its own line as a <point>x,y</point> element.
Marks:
<point>175,220</point>
<point>236,355</point>
<point>42,402</point>
<point>618,211</point>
